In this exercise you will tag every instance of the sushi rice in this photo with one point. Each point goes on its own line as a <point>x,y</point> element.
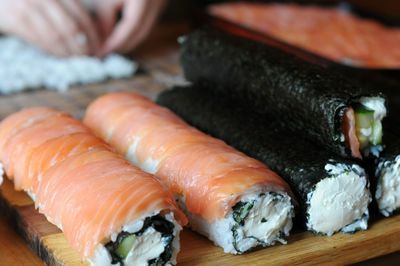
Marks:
<point>339,202</point>
<point>258,219</point>
<point>148,246</point>
<point>387,192</point>
<point>24,67</point>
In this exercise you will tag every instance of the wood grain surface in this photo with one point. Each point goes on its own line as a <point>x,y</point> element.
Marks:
<point>303,249</point>
<point>159,70</point>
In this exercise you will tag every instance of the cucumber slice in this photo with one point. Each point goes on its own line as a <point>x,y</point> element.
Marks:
<point>125,246</point>
<point>364,121</point>
<point>376,137</point>
<point>362,109</point>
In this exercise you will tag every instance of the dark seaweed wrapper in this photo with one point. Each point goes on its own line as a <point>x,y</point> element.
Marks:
<point>305,97</point>
<point>297,160</point>
<point>385,160</point>
<point>391,125</point>
<point>392,134</point>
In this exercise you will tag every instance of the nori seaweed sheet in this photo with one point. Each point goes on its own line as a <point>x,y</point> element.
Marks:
<point>391,124</point>
<point>388,156</point>
<point>304,96</point>
<point>392,131</point>
<point>297,160</point>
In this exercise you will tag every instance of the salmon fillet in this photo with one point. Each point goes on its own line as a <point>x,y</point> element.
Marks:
<point>329,32</point>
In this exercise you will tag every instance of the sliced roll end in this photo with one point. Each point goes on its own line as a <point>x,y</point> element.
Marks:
<point>340,202</point>
<point>259,219</point>
<point>150,241</point>
<point>387,193</point>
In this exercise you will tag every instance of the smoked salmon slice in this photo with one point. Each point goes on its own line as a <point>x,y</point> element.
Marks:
<point>110,211</point>
<point>330,32</point>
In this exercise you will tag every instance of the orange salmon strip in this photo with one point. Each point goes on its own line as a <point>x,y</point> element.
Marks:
<point>76,180</point>
<point>329,32</point>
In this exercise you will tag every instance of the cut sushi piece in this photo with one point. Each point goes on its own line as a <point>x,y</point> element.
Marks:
<point>387,192</point>
<point>258,219</point>
<point>344,187</point>
<point>333,192</point>
<point>89,192</point>
<point>232,199</point>
<point>156,242</point>
<point>320,102</point>
<point>159,230</point>
<point>387,165</point>
<point>387,170</point>
<point>383,169</point>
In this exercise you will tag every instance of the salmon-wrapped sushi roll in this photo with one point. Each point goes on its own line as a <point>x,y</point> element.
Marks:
<point>110,211</point>
<point>232,199</point>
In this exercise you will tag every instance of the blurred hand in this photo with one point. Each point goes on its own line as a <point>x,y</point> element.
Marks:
<point>138,17</point>
<point>61,27</point>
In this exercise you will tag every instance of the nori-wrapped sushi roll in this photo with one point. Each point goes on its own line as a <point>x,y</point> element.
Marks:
<point>331,109</point>
<point>387,176</point>
<point>384,170</point>
<point>333,192</point>
<point>387,170</point>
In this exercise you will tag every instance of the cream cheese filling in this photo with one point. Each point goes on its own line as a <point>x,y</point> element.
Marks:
<point>388,187</point>
<point>268,221</point>
<point>377,104</point>
<point>264,223</point>
<point>149,245</point>
<point>340,201</point>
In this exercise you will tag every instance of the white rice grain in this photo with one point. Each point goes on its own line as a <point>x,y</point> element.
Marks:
<point>24,67</point>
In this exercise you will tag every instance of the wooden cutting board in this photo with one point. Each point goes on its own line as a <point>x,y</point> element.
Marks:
<point>160,70</point>
<point>49,243</point>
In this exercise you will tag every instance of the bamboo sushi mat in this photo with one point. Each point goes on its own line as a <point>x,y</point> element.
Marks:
<point>159,70</point>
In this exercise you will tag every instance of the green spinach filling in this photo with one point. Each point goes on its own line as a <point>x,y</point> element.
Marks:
<point>241,210</point>
<point>120,248</point>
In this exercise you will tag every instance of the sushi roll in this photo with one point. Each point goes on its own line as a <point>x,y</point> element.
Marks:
<point>387,170</point>
<point>235,201</point>
<point>333,192</point>
<point>110,212</point>
<point>329,108</point>
<point>387,174</point>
